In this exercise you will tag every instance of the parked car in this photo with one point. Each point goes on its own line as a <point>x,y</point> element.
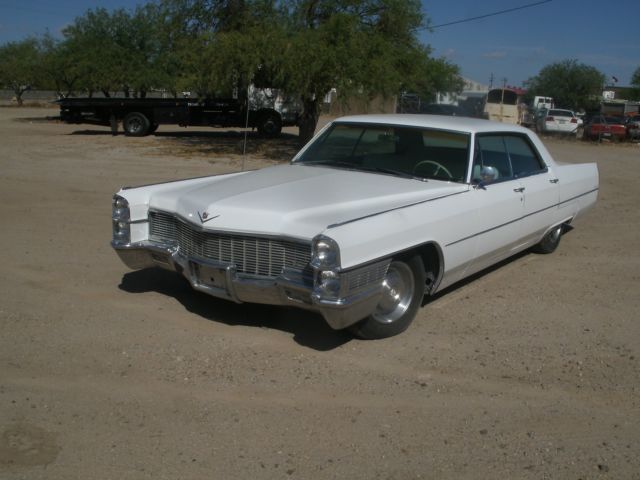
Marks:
<point>601,126</point>
<point>633,127</point>
<point>557,120</point>
<point>373,214</point>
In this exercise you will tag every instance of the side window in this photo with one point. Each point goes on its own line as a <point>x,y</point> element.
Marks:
<point>524,159</point>
<point>492,163</point>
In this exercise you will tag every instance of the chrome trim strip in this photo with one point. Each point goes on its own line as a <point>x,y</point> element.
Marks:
<point>555,205</point>
<point>334,225</point>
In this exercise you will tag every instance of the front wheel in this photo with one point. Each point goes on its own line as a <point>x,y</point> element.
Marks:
<point>402,293</point>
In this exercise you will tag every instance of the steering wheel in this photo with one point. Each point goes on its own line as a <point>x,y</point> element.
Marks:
<point>438,168</point>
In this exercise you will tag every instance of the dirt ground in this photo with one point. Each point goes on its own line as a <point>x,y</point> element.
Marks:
<point>531,370</point>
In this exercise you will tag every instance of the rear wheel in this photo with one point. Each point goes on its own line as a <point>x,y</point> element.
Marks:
<point>550,241</point>
<point>136,124</point>
<point>403,290</point>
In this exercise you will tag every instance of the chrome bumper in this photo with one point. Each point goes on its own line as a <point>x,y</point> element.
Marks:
<point>291,288</point>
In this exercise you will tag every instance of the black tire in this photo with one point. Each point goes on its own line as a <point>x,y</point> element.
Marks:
<point>550,241</point>
<point>136,124</point>
<point>401,299</point>
<point>269,124</point>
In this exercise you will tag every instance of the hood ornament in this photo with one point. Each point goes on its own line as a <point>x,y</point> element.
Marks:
<point>206,216</point>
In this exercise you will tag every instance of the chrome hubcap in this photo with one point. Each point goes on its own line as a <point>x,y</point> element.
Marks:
<point>397,292</point>
<point>555,234</point>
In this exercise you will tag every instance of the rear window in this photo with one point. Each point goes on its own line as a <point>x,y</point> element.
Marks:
<point>561,113</point>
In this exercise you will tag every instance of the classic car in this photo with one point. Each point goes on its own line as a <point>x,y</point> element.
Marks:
<point>373,214</point>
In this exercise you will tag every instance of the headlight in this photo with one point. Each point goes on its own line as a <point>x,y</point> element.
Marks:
<point>325,253</point>
<point>120,216</point>
<point>325,259</point>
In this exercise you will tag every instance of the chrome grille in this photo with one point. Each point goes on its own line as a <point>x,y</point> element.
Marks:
<point>252,255</point>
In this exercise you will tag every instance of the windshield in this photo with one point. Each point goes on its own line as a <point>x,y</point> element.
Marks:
<point>410,152</point>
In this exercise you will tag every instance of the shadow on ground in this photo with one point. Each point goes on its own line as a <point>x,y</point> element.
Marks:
<point>308,329</point>
<point>281,148</point>
<point>230,142</point>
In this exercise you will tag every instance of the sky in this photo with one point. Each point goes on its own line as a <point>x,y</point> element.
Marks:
<point>512,46</point>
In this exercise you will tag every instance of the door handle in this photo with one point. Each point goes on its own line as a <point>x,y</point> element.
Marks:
<point>554,180</point>
<point>519,190</point>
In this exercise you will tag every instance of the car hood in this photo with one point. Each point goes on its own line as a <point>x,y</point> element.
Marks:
<point>293,200</point>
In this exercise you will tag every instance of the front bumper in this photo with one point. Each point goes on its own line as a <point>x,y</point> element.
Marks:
<point>221,280</point>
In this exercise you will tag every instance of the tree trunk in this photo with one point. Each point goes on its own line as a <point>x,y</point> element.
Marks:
<point>19,91</point>
<point>106,93</point>
<point>308,119</point>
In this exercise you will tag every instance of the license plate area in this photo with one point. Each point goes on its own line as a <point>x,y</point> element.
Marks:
<point>210,276</point>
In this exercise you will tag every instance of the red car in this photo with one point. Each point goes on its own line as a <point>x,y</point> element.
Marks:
<point>602,126</point>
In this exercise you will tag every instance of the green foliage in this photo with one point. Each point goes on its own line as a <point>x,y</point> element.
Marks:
<point>572,85</point>
<point>363,48</point>
<point>635,78</point>
<point>19,66</point>
<point>118,50</point>
<point>634,93</point>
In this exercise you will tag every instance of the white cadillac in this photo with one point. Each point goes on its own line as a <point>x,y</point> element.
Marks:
<point>374,213</point>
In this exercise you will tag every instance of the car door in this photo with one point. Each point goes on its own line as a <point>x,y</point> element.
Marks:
<point>539,184</point>
<point>498,203</point>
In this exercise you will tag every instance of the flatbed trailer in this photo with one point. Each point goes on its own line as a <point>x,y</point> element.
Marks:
<point>142,116</point>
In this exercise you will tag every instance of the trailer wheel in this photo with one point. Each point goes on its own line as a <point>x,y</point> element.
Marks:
<point>269,124</point>
<point>135,124</point>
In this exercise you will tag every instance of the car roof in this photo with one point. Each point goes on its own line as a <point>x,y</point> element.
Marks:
<point>459,124</point>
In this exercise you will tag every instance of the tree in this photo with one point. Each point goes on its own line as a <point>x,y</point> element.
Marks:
<point>634,91</point>
<point>572,85</point>
<point>362,48</point>
<point>19,62</point>
<point>117,50</point>
<point>635,78</point>
<point>58,67</point>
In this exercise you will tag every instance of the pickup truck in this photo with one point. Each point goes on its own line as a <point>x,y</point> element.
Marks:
<point>142,116</point>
